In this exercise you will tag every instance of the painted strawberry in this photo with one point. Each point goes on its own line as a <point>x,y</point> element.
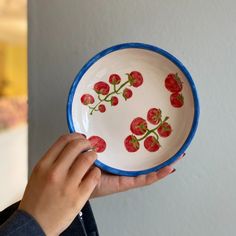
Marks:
<point>127,93</point>
<point>98,144</point>
<point>131,143</point>
<point>87,99</point>
<point>114,79</point>
<point>151,144</point>
<point>101,88</point>
<point>177,100</point>
<point>102,108</point>
<point>114,100</point>
<point>173,83</point>
<point>135,78</point>
<point>154,116</point>
<point>164,130</point>
<point>138,126</point>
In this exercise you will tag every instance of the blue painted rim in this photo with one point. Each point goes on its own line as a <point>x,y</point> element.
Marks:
<point>172,59</point>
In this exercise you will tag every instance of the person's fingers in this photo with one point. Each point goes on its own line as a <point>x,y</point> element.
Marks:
<point>81,165</point>
<point>148,179</point>
<point>180,158</point>
<point>162,173</point>
<point>68,155</point>
<point>126,183</point>
<point>51,155</point>
<point>88,184</point>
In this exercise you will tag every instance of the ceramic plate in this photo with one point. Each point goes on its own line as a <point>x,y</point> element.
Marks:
<point>138,106</point>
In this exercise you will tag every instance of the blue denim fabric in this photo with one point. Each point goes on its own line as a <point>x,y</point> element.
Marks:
<point>18,223</point>
<point>21,223</point>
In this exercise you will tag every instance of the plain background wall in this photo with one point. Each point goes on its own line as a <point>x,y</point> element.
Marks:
<point>199,198</point>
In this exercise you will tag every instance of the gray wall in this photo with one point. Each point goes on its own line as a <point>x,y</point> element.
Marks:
<point>199,198</point>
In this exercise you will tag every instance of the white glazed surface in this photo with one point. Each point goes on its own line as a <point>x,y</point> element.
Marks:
<point>114,125</point>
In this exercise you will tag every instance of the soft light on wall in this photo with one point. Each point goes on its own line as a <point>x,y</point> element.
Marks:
<point>13,24</point>
<point>13,100</point>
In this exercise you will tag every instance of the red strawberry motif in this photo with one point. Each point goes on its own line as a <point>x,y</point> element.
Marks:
<point>102,108</point>
<point>154,116</point>
<point>135,78</point>
<point>114,100</point>
<point>127,93</point>
<point>177,100</point>
<point>101,88</point>
<point>131,143</point>
<point>150,135</point>
<point>114,79</point>
<point>138,126</point>
<point>151,144</point>
<point>164,130</point>
<point>98,144</point>
<point>173,83</point>
<point>105,92</point>
<point>87,99</point>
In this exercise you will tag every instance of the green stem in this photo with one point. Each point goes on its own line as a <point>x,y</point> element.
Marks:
<point>166,118</point>
<point>107,100</point>
<point>100,99</point>
<point>157,137</point>
<point>122,86</point>
<point>149,131</point>
<point>114,87</point>
<point>107,96</point>
<point>94,108</point>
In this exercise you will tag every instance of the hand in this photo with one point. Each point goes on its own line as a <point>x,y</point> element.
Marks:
<point>110,184</point>
<point>61,183</point>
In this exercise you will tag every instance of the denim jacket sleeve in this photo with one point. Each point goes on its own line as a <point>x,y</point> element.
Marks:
<point>21,223</point>
<point>16,222</point>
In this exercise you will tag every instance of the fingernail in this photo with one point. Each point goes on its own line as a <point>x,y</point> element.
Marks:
<point>173,171</point>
